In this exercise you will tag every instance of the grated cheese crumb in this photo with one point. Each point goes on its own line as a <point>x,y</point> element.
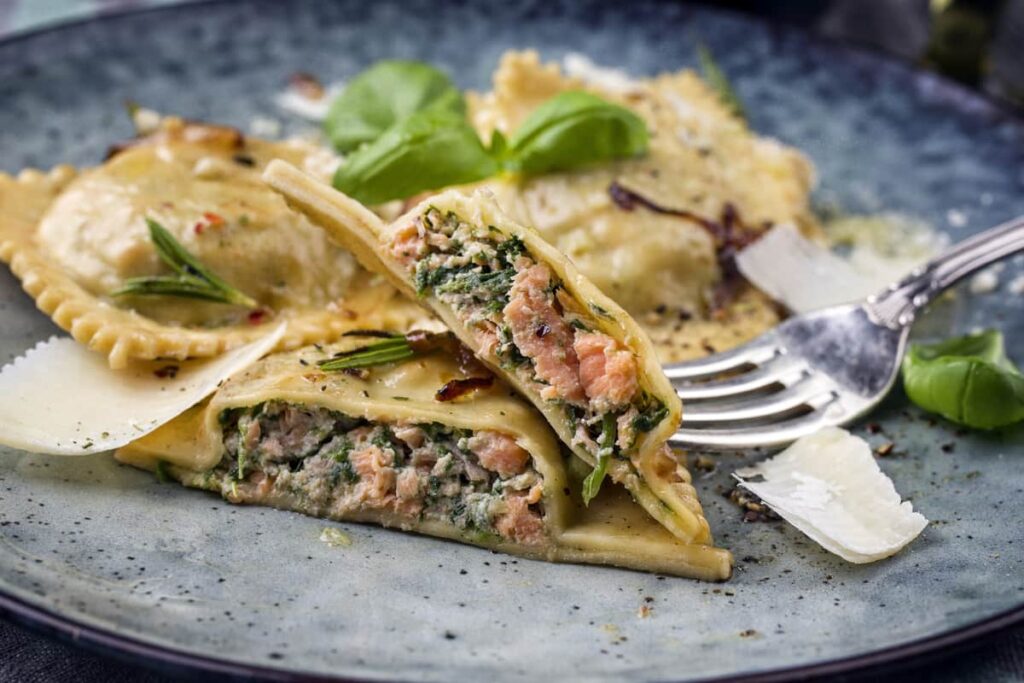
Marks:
<point>265,127</point>
<point>956,218</point>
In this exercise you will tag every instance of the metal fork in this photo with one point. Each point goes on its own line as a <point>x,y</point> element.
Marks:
<point>820,369</point>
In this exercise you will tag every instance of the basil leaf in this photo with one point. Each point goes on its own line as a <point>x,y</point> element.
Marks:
<point>572,130</point>
<point>384,95</point>
<point>716,78</point>
<point>968,380</point>
<point>427,151</point>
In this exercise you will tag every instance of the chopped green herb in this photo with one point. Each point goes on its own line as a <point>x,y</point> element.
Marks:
<point>650,416</point>
<point>716,78</point>
<point>428,278</point>
<point>383,437</point>
<point>507,350</point>
<point>242,453</point>
<point>605,451</point>
<point>488,285</point>
<point>509,250</point>
<point>162,473</point>
<point>192,279</point>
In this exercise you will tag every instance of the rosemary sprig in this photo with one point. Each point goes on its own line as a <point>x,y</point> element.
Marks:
<point>389,350</point>
<point>605,451</point>
<point>719,82</point>
<point>192,279</point>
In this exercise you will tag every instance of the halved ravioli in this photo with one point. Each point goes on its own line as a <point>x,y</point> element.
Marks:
<point>377,445</point>
<point>526,311</point>
<point>74,238</point>
<point>658,233</point>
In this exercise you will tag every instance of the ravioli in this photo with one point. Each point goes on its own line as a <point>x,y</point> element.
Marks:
<point>73,238</point>
<point>658,233</point>
<point>378,446</point>
<point>530,315</point>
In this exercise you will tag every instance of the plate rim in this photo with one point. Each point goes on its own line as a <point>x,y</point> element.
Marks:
<point>167,658</point>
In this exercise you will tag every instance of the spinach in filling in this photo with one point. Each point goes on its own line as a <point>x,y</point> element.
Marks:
<point>473,272</point>
<point>324,459</point>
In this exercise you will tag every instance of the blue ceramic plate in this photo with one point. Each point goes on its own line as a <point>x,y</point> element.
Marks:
<point>108,554</point>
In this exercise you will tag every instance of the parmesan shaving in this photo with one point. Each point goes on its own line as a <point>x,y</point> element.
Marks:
<point>873,252</point>
<point>63,399</point>
<point>802,274</point>
<point>613,80</point>
<point>829,486</point>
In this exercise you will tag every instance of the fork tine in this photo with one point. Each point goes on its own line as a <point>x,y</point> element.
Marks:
<point>812,393</point>
<point>754,353</point>
<point>766,436</point>
<point>785,371</point>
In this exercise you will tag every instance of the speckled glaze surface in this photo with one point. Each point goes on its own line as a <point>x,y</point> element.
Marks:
<point>109,548</point>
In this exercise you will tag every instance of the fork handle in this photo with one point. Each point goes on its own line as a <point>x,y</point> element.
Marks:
<point>898,305</point>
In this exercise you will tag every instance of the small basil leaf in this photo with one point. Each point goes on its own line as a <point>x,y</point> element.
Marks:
<point>718,81</point>
<point>968,380</point>
<point>572,130</point>
<point>427,151</point>
<point>384,95</point>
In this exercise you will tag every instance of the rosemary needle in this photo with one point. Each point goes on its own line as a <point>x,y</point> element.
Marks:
<point>387,351</point>
<point>192,279</point>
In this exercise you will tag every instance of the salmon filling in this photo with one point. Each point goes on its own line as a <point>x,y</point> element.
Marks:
<point>325,463</point>
<point>524,319</point>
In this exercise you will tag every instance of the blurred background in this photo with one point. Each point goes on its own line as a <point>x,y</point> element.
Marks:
<point>977,42</point>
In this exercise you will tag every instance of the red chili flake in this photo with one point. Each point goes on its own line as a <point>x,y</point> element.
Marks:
<point>257,316</point>
<point>460,387</point>
<point>307,85</point>
<point>199,227</point>
<point>214,220</point>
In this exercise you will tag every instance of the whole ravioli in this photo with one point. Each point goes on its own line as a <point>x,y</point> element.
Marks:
<point>73,238</point>
<point>657,233</point>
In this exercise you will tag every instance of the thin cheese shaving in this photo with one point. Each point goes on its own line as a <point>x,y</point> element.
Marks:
<point>806,276</point>
<point>614,80</point>
<point>802,274</point>
<point>63,399</point>
<point>829,486</point>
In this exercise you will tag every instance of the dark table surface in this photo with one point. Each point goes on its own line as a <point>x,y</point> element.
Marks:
<point>900,27</point>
